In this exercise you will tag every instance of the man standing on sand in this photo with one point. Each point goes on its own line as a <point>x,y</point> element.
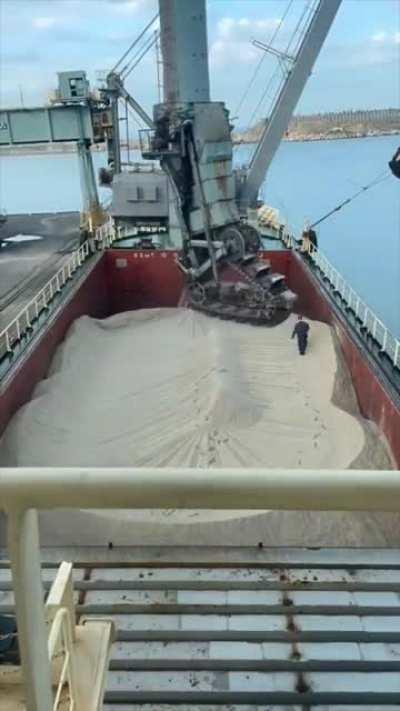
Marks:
<point>301,330</point>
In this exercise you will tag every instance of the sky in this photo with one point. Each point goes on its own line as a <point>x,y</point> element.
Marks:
<point>358,67</point>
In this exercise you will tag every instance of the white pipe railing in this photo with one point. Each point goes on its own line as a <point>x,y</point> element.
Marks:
<point>23,490</point>
<point>187,488</point>
<point>372,325</point>
<point>21,324</point>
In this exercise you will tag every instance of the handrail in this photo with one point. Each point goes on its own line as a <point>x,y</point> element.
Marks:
<point>370,323</point>
<point>60,643</point>
<point>188,488</point>
<point>23,490</point>
<point>21,324</point>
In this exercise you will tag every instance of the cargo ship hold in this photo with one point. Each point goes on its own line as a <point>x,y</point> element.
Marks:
<point>218,516</point>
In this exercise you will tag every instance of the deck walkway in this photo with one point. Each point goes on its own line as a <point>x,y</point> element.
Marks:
<point>25,266</point>
<point>216,627</point>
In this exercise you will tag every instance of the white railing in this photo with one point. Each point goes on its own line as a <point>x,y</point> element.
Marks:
<point>60,645</point>
<point>22,491</point>
<point>188,488</point>
<point>21,324</point>
<point>368,320</point>
<point>106,234</point>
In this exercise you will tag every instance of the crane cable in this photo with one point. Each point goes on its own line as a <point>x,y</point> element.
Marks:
<point>307,11</point>
<point>134,43</point>
<point>138,58</point>
<point>379,179</point>
<point>138,49</point>
<point>258,67</point>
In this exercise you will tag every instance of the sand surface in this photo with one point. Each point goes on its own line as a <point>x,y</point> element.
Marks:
<point>172,387</point>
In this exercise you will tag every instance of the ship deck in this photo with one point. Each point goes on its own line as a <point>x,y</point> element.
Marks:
<point>27,264</point>
<point>204,627</point>
<point>240,628</point>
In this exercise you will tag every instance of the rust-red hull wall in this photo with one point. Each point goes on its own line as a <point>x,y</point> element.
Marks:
<point>373,399</point>
<point>149,279</point>
<point>374,402</point>
<point>310,300</point>
<point>91,298</point>
<point>140,280</point>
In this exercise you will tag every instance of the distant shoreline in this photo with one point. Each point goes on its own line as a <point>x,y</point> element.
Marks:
<point>312,139</point>
<point>70,149</point>
<point>52,149</point>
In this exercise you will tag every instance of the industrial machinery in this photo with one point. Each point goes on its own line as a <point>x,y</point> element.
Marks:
<point>192,140</point>
<point>75,115</point>
<point>190,136</point>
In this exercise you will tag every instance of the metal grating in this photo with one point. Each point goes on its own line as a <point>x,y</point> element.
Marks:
<point>246,636</point>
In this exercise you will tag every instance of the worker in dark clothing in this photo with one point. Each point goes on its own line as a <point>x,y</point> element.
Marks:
<point>309,240</point>
<point>301,330</point>
<point>312,236</point>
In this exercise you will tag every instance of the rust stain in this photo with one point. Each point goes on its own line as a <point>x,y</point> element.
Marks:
<point>87,574</point>
<point>301,685</point>
<point>286,601</point>
<point>290,623</point>
<point>222,184</point>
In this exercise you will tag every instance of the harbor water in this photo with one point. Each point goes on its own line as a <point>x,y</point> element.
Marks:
<point>305,181</point>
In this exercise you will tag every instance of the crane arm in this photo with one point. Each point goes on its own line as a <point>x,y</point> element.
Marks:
<point>116,85</point>
<point>290,93</point>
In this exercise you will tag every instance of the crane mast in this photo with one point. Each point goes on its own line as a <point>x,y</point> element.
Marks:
<point>184,51</point>
<point>192,140</point>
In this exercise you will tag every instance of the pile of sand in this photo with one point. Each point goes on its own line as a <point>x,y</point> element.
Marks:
<point>171,387</point>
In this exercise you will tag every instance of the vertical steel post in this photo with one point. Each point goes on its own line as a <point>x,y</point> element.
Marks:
<point>23,545</point>
<point>184,50</point>
<point>158,67</point>
<point>90,195</point>
<point>116,147</point>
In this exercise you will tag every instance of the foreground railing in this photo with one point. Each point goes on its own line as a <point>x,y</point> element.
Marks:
<point>369,322</point>
<point>22,491</point>
<point>21,325</point>
<point>61,644</point>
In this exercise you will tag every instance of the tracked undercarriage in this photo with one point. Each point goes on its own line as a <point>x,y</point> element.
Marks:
<point>245,289</point>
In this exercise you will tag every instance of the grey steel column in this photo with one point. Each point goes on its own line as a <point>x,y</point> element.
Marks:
<point>116,138</point>
<point>90,197</point>
<point>183,25</point>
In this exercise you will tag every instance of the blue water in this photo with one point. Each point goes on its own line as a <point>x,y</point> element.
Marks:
<point>305,181</point>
